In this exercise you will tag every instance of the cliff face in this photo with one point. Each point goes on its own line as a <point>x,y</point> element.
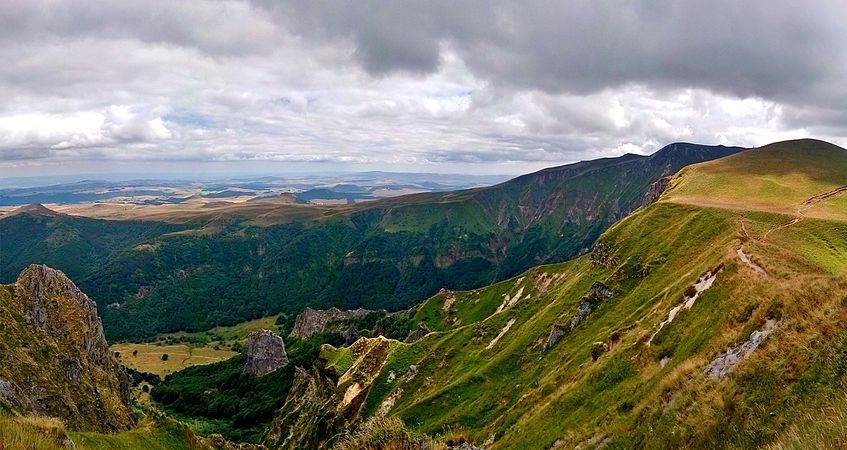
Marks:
<point>313,321</point>
<point>322,405</point>
<point>54,359</point>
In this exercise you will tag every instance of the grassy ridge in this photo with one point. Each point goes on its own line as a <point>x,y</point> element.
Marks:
<point>602,383</point>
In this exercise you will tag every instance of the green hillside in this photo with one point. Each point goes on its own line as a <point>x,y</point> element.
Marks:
<point>710,319</point>
<point>393,253</point>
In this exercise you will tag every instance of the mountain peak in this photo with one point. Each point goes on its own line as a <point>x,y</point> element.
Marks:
<point>36,209</point>
<point>69,371</point>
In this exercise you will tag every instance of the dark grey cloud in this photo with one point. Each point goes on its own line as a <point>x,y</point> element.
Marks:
<point>769,48</point>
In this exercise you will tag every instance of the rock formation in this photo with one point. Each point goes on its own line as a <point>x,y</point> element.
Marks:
<point>314,321</point>
<point>725,362</point>
<point>54,359</point>
<point>596,294</point>
<point>265,353</point>
<point>556,333</point>
<point>320,407</point>
<point>418,333</point>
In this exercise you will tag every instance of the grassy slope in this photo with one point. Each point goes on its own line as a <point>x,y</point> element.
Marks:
<point>151,434</point>
<point>45,433</point>
<point>527,398</point>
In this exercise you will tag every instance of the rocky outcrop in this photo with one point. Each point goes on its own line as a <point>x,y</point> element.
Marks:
<point>418,333</point>
<point>320,407</point>
<point>603,255</point>
<point>350,336</point>
<point>595,296</point>
<point>655,191</point>
<point>556,333</point>
<point>314,321</point>
<point>265,353</point>
<point>54,359</point>
<point>725,362</point>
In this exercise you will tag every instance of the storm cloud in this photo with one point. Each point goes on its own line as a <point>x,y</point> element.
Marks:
<point>502,85</point>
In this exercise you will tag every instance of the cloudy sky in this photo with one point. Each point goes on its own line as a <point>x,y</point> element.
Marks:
<point>447,86</point>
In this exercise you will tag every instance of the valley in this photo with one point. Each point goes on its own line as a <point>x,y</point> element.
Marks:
<point>157,276</point>
<point>705,318</point>
<point>437,225</point>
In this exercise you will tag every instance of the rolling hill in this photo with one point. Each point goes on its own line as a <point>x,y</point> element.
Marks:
<point>713,318</point>
<point>149,276</point>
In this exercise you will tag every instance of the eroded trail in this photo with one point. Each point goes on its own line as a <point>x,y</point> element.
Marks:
<point>703,283</point>
<point>815,199</point>
<point>746,260</point>
<point>807,205</point>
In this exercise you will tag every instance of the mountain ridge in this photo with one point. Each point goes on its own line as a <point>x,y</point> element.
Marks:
<point>386,254</point>
<point>672,339</point>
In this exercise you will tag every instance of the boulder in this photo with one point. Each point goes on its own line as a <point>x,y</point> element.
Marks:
<point>265,353</point>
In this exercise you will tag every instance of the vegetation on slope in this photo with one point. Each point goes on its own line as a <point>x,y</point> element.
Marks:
<point>53,356</point>
<point>155,432</point>
<point>623,374</point>
<point>221,398</point>
<point>385,254</point>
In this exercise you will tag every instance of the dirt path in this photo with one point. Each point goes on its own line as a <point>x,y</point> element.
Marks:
<point>815,199</point>
<point>807,205</point>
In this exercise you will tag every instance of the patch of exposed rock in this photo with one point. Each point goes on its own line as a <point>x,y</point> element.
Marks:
<point>418,333</point>
<point>265,353</point>
<point>556,333</point>
<point>54,359</point>
<point>350,336</point>
<point>725,362</point>
<point>596,294</point>
<point>603,255</point>
<point>655,191</point>
<point>315,321</point>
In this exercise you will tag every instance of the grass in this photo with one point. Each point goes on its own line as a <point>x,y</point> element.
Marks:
<point>224,334</point>
<point>32,433</point>
<point>180,356</point>
<point>767,179</point>
<point>155,432</point>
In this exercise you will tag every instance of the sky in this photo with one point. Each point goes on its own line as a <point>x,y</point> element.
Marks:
<point>267,86</point>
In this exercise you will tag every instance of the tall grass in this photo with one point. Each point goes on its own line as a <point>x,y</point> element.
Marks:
<point>384,434</point>
<point>823,429</point>
<point>33,433</point>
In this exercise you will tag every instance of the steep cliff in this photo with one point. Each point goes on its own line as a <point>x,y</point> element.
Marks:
<point>54,359</point>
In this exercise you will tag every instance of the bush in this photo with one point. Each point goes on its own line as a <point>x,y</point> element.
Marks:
<point>164,357</point>
<point>598,349</point>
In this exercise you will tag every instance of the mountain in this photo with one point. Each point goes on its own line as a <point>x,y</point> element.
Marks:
<point>712,318</point>
<point>157,277</point>
<point>61,387</point>
<point>54,359</point>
